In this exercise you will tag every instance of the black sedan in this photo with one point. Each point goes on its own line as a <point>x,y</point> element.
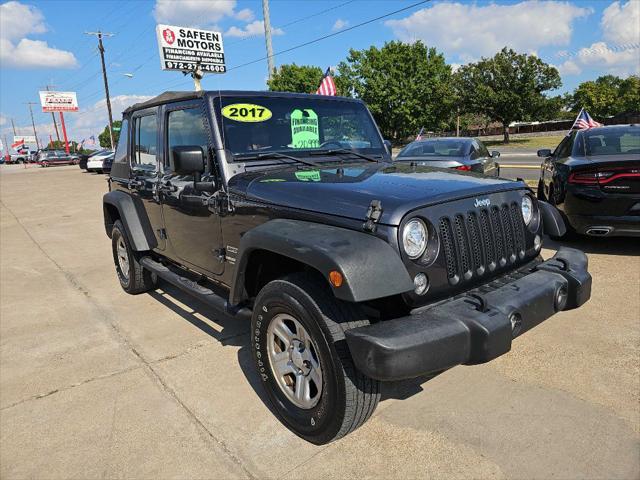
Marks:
<point>593,177</point>
<point>460,153</point>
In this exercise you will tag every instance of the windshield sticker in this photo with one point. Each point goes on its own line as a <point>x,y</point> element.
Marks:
<point>246,112</point>
<point>308,176</point>
<point>304,129</point>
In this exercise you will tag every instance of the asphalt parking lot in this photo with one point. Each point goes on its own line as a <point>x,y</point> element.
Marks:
<point>95,383</point>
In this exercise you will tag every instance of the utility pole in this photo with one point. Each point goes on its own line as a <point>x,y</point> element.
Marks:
<point>267,36</point>
<point>14,127</point>
<point>100,34</point>
<point>55,125</point>
<point>33,123</point>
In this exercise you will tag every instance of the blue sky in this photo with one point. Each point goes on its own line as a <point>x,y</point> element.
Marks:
<point>43,42</point>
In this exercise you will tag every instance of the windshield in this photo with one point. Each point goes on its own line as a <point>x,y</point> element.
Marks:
<point>296,126</point>
<point>609,141</point>
<point>435,148</point>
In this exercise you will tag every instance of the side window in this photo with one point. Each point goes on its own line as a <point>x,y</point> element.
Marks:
<point>185,127</point>
<point>475,150</point>
<point>121,149</point>
<point>145,146</point>
<point>564,149</point>
<point>482,150</point>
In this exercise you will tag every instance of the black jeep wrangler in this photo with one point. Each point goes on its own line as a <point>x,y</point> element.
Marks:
<point>286,209</point>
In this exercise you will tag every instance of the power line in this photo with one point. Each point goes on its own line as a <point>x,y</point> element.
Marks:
<point>324,37</point>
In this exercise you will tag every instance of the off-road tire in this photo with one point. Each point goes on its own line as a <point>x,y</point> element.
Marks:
<point>348,397</point>
<point>137,279</point>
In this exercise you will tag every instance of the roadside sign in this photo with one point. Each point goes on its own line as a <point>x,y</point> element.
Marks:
<point>184,49</point>
<point>116,129</point>
<point>58,101</point>
<point>24,139</point>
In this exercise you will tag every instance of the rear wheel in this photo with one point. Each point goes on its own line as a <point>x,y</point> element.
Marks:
<point>303,360</point>
<point>133,277</point>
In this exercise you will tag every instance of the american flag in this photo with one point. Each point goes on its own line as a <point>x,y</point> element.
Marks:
<point>584,121</point>
<point>327,85</point>
<point>419,136</point>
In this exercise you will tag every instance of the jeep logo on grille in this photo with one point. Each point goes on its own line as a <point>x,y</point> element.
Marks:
<point>482,202</point>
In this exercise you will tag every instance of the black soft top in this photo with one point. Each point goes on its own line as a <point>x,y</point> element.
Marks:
<point>169,97</point>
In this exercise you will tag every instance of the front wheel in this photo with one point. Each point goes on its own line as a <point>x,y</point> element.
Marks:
<point>301,354</point>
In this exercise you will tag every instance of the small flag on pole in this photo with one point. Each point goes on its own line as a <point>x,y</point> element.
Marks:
<point>327,85</point>
<point>419,136</point>
<point>92,140</point>
<point>18,144</point>
<point>584,121</point>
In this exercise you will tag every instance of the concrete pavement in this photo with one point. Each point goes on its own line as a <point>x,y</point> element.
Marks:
<point>95,383</point>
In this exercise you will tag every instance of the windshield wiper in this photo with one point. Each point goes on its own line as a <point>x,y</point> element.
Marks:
<point>336,151</point>
<point>267,155</point>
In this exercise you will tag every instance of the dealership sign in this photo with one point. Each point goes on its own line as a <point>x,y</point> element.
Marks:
<point>59,101</point>
<point>185,49</point>
<point>24,139</point>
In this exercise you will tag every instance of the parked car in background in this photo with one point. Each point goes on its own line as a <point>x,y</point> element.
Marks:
<point>48,158</point>
<point>593,178</point>
<point>460,153</point>
<point>23,156</point>
<point>94,162</point>
<point>107,163</point>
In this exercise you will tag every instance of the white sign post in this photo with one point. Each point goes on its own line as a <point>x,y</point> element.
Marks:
<point>60,102</point>
<point>190,50</point>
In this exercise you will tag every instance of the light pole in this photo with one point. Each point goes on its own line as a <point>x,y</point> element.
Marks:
<point>267,36</point>
<point>100,34</point>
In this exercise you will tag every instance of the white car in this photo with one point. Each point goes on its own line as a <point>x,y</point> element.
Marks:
<point>94,162</point>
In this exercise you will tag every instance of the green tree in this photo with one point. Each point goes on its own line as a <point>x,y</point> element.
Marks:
<point>295,78</point>
<point>105,139</point>
<point>607,96</point>
<point>406,87</point>
<point>507,87</point>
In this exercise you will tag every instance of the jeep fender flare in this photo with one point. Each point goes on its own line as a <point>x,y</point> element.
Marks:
<point>133,218</point>
<point>370,267</point>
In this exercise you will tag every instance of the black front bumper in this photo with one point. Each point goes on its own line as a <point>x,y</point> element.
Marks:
<point>472,328</point>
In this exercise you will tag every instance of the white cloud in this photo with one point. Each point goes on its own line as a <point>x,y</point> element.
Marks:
<point>621,23</point>
<point>251,29</point>
<point>93,120</point>
<point>602,59</point>
<point>18,20</point>
<point>194,13</point>
<point>340,24</point>
<point>3,119</point>
<point>246,15</point>
<point>17,51</point>
<point>472,31</point>
<point>34,54</point>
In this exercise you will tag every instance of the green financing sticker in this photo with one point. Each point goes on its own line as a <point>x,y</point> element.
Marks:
<point>308,176</point>
<point>304,129</point>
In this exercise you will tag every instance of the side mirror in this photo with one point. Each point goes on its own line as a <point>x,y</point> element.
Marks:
<point>495,154</point>
<point>388,146</point>
<point>188,160</point>
<point>545,152</point>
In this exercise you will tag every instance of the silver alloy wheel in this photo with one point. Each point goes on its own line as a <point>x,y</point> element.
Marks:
<point>294,361</point>
<point>123,257</point>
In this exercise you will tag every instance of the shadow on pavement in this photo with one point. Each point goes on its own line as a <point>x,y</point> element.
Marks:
<point>597,245</point>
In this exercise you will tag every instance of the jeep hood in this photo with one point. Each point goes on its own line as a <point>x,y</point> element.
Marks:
<point>347,191</point>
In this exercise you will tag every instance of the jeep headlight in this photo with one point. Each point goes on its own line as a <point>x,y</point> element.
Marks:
<point>414,238</point>
<point>527,209</point>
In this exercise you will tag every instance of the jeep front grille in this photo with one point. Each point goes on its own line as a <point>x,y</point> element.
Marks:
<point>481,241</point>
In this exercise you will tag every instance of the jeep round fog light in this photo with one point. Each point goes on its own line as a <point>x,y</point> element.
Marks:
<point>527,209</point>
<point>414,238</point>
<point>421,283</point>
<point>537,242</point>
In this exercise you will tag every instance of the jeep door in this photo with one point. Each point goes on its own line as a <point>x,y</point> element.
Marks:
<point>145,169</point>
<point>193,230</point>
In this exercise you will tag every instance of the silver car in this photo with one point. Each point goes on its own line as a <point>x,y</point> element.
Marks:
<point>460,153</point>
